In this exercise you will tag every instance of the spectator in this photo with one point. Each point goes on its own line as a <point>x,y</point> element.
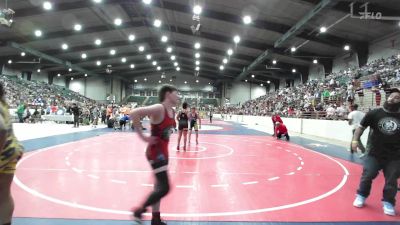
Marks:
<point>75,112</point>
<point>355,118</point>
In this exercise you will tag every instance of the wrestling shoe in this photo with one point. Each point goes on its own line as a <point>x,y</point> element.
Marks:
<point>388,209</point>
<point>359,202</point>
<point>137,216</point>
<point>157,222</point>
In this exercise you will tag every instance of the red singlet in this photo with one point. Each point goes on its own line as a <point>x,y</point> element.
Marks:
<point>159,152</point>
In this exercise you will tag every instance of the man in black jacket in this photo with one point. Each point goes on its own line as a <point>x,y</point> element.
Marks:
<point>75,112</point>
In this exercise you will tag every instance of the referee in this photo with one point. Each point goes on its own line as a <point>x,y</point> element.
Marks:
<point>383,152</point>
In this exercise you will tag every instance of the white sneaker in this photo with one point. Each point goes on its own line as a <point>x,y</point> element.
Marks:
<point>359,202</point>
<point>388,209</point>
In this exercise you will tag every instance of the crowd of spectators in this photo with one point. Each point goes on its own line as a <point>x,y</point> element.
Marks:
<point>33,99</point>
<point>329,97</point>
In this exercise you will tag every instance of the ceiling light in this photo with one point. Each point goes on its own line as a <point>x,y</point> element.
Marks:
<point>347,47</point>
<point>38,33</point>
<point>164,38</point>
<point>147,2</point>
<point>70,70</point>
<point>185,82</point>
<point>97,42</point>
<point>141,48</point>
<point>169,49</point>
<point>118,22</point>
<point>293,49</point>
<point>145,79</point>
<point>159,81</point>
<point>47,5</point>
<point>77,27</point>
<point>225,60</point>
<point>221,67</point>
<point>197,55</point>
<point>274,61</point>
<point>197,9</point>
<point>252,76</point>
<point>170,80</point>
<point>23,54</point>
<point>84,56</point>
<point>123,60</point>
<point>315,61</point>
<point>197,45</point>
<point>293,70</point>
<point>64,46</point>
<point>135,81</point>
<point>197,62</point>
<point>131,37</point>
<point>148,57</point>
<point>197,68</point>
<point>132,66</point>
<point>154,63</point>
<point>261,85</point>
<point>72,78</point>
<point>58,75</point>
<point>178,68</point>
<point>85,74</point>
<point>112,52</point>
<point>230,51</point>
<point>236,39</point>
<point>322,29</point>
<point>97,1</point>
<point>176,64</point>
<point>197,81</point>
<point>157,23</point>
<point>247,19</point>
<point>268,82</point>
<point>38,70</point>
<point>158,67</point>
<point>173,57</point>
<point>98,63</point>
<point>245,80</point>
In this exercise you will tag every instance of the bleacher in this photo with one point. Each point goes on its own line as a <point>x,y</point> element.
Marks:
<point>151,101</point>
<point>208,102</point>
<point>139,100</point>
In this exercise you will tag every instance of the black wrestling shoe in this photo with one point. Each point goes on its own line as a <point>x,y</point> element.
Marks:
<point>157,222</point>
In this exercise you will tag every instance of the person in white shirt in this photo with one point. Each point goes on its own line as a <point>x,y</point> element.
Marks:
<point>355,118</point>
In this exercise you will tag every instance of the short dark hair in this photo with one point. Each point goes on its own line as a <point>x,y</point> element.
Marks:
<point>164,90</point>
<point>355,106</point>
<point>184,105</point>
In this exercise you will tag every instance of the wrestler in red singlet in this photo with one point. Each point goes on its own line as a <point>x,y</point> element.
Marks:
<point>159,152</point>
<point>162,119</point>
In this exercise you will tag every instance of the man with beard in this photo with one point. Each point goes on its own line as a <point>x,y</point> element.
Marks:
<point>383,151</point>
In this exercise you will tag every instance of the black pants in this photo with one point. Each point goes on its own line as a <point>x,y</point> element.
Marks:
<point>391,171</point>
<point>286,135</point>
<point>76,121</point>
<point>210,119</point>
<point>360,144</point>
<point>161,189</point>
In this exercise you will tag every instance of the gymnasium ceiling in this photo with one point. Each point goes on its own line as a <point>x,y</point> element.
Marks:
<point>220,21</point>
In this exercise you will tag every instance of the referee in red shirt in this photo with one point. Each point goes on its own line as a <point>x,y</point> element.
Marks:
<point>275,118</point>
<point>281,130</point>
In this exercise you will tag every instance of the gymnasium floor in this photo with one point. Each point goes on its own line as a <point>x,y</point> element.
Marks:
<point>236,175</point>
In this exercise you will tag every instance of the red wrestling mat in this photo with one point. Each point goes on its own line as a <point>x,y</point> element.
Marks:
<point>225,178</point>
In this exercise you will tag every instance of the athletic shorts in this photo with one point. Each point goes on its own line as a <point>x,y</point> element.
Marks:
<point>193,124</point>
<point>183,126</point>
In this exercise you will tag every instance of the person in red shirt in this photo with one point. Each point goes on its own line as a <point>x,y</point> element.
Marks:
<point>162,120</point>
<point>276,118</point>
<point>281,130</point>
